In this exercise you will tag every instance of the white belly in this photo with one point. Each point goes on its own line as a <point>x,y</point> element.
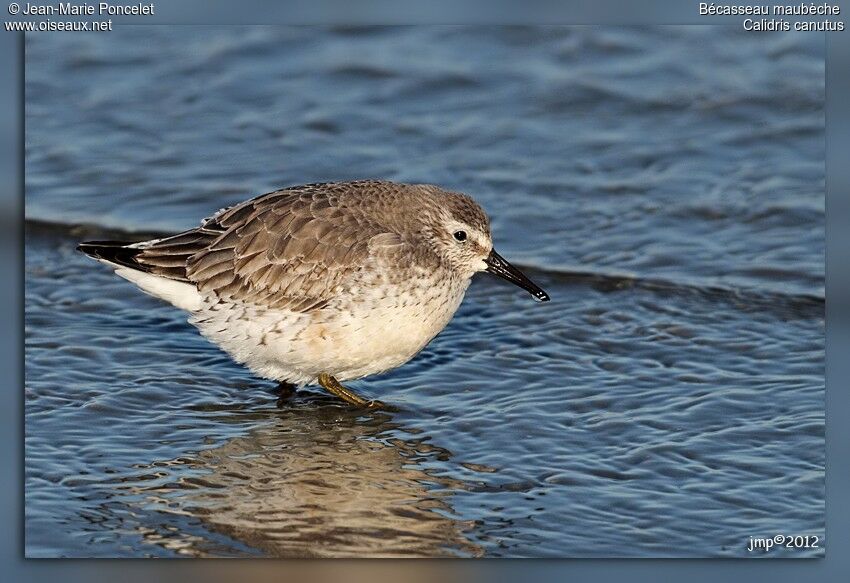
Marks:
<point>373,334</point>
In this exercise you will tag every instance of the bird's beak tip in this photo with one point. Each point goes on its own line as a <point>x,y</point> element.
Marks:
<point>498,265</point>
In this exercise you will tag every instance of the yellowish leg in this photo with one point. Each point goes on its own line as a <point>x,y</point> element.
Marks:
<point>333,386</point>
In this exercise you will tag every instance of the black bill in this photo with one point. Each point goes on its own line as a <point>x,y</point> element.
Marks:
<point>498,265</point>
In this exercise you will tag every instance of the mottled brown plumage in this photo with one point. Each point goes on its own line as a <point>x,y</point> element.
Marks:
<point>298,247</point>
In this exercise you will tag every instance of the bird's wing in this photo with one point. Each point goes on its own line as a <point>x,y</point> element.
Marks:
<point>294,249</point>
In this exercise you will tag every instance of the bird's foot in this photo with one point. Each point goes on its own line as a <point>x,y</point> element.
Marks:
<point>333,386</point>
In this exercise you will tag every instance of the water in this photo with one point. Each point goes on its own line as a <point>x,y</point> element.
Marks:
<point>664,185</point>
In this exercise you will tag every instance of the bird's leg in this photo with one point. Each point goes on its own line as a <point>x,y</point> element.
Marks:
<point>284,392</point>
<point>333,386</point>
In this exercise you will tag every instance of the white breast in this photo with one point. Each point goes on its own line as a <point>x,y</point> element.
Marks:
<point>372,330</point>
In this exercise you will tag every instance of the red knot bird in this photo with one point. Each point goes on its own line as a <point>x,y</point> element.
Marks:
<point>322,283</point>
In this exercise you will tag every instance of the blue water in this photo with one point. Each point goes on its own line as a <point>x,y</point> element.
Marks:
<point>664,185</point>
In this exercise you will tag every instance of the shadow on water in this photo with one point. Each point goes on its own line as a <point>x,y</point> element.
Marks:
<point>313,479</point>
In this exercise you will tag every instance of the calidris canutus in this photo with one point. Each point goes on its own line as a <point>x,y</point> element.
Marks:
<point>322,283</point>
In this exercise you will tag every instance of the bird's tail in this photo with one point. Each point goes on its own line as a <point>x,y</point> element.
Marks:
<point>153,275</point>
<point>121,253</point>
<point>165,257</point>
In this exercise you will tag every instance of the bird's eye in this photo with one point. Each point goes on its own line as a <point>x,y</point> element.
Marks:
<point>460,235</point>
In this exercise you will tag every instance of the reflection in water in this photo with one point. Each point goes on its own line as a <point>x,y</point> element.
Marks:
<point>313,480</point>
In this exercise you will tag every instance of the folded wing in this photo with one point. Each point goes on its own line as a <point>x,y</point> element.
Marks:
<point>293,249</point>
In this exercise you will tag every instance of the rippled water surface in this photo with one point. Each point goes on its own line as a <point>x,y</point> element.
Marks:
<point>664,185</point>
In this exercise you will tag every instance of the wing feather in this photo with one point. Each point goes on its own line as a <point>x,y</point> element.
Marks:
<point>294,249</point>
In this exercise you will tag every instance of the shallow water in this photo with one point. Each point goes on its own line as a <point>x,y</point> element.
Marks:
<point>664,185</point>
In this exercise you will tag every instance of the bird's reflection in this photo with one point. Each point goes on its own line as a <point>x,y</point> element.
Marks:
<point>316,479</point>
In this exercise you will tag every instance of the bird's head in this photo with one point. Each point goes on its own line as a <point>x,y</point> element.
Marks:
<point>460,234</point>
